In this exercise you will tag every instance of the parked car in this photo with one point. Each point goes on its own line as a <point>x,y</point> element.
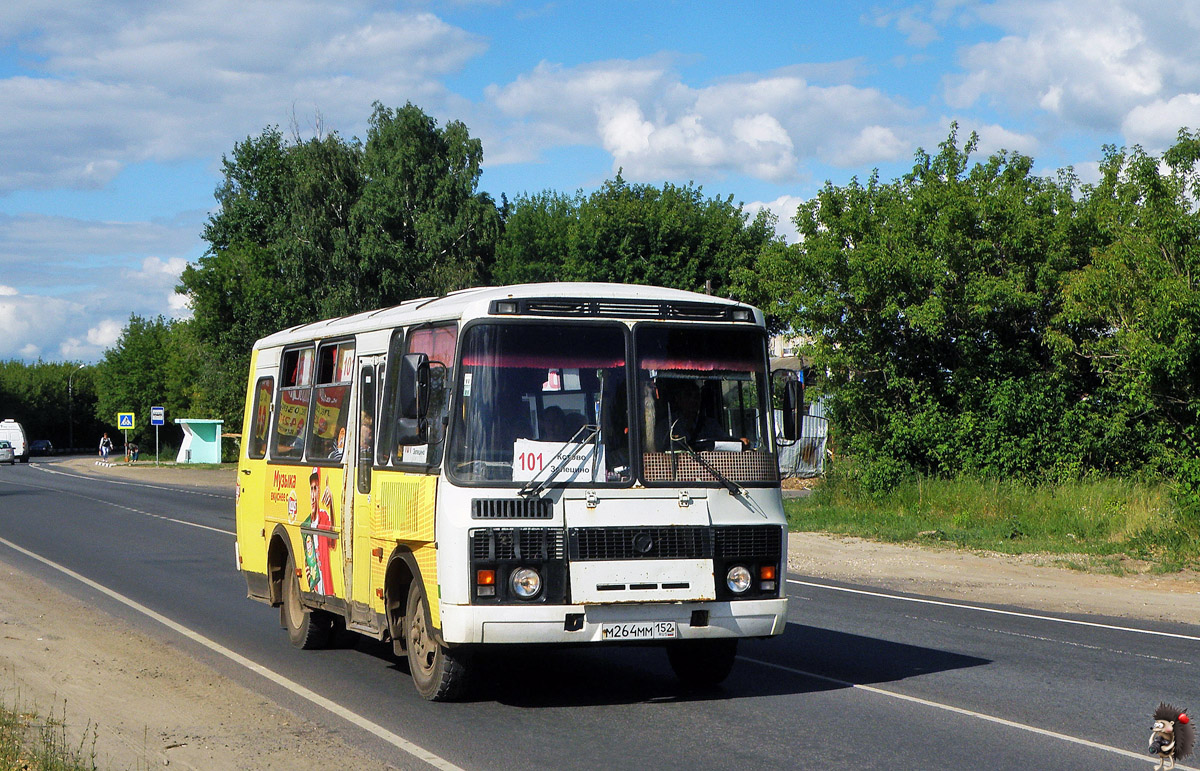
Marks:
<point>6,452</point>
<point>41,447</point>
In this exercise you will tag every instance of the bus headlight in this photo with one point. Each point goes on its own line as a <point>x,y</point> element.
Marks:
<point>526,583</point>
<point>738,579</point>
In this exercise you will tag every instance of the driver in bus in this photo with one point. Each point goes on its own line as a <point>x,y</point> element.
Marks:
<point>688,426</point>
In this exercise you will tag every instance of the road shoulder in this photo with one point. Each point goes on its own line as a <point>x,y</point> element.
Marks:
<point>149,704</point>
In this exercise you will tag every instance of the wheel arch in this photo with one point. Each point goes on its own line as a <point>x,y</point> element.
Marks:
<point>402,571</point>
<point>278,550</point>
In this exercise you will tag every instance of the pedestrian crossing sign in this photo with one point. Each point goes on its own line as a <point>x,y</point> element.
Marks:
<point>125,420</point>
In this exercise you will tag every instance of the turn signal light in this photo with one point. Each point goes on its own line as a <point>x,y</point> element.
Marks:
<point>766,578</point>
<point>485,583</point>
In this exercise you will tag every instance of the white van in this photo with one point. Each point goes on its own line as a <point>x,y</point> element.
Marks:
<point>15,434</point>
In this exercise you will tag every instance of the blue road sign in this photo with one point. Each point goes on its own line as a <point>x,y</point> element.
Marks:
<point>157,416</point>
<point>125,420</point>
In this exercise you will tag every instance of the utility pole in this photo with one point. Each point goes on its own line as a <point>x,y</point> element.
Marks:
<point>71,407</point>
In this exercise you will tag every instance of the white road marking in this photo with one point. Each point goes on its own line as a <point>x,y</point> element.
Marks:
<point>1055,640</point>
<point>173,489</point>
<point>997,611</point>
<point>353,717</point>
<point>966,712</point>
<point>124,508</point>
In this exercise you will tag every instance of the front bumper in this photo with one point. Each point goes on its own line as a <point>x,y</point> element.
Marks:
<point>566,624</point>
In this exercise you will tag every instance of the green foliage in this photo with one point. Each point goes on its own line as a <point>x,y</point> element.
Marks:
<point>1101,518</point>
<point>1141,293</point>
<point>154,363</point>
<point>51,400</point>
<point>631,234</point>
<point>931,300</point>
<point>420,226</point>
<point>325,227</point>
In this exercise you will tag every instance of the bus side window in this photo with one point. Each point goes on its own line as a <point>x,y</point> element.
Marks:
<point>366,428</point>
<point>438,343</point>
<point>291,413</point>
<point>335,374</point>
<point>260,423</point>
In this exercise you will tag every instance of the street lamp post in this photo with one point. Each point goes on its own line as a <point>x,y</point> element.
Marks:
<point>71,407</point>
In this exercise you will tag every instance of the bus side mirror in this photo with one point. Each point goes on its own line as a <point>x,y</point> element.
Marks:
<point>792,398</point>
<point>412,399</point>
<point>413,385</point>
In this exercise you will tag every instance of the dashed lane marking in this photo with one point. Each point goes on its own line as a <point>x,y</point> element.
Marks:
<point>962,711</point>
<point>997,611</point>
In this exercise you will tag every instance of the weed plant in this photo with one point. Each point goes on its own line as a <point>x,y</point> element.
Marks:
<point>30,742</point>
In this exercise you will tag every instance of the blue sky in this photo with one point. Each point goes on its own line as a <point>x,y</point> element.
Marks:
<point>114,115</point>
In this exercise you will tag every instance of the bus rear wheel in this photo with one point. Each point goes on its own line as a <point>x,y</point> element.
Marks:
<point>307,629</point>
<point>702,663</point>
<point>438,673</point>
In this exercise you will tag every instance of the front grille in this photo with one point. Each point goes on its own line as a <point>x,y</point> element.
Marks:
<point>749,466</point>
<point>750,541</point>
<point>512,508</point>
<point>624,308</point>
<point>635,543</point>
<point>532,543</point>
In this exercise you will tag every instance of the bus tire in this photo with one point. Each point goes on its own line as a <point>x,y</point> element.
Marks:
<point>307,629</point>
<point>702,663</point>
<point>438,673</point>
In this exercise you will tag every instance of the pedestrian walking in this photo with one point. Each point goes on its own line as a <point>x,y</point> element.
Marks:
<point>105,446</point>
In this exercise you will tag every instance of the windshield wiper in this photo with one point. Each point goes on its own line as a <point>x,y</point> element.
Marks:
<point>530,489</point>
<point>733,487</point>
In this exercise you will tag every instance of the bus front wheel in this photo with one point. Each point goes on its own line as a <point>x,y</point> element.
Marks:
<point>438,673</point>
<point>702,663</point>
<point>307,629</point>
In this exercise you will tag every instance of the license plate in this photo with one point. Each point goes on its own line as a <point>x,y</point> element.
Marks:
<point>639,630</point>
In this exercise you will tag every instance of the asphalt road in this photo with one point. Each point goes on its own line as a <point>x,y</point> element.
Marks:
<point>861,679</point>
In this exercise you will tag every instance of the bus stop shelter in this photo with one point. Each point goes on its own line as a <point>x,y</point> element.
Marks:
<point>201,441</point>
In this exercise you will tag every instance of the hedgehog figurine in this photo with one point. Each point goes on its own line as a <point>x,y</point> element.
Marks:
<point>1172,736</point>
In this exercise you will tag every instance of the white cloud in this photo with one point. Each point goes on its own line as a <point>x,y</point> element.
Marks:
<point>784,208</point>
<point>72,284</point>
<point>114,85</point>
<point>1157,123</point>
<point>105,334</point>
<point>656,126</point>
<point>1090,64</point>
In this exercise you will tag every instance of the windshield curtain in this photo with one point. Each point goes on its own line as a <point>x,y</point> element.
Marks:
<point>540,403</point>
<point>703,390</point>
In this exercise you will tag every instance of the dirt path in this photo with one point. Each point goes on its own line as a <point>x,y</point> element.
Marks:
<point>150,705</point>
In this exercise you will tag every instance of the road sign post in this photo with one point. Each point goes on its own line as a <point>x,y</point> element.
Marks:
<point>158,416</point>
<point>126,422</point>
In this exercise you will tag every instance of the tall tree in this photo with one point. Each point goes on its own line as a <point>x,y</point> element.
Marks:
<point>633,234</point>
<point>931,300</point>
<point>133,374</point>
<point>1141,293</point>
<point>420,226</point>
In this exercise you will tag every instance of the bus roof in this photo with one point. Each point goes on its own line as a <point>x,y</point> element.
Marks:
<point>471,303</point>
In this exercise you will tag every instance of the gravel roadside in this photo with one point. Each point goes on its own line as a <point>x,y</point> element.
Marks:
<point>151,705</point>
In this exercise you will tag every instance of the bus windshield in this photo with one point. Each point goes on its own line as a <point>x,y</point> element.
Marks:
<point>541,403</point>
<point>703,391</point>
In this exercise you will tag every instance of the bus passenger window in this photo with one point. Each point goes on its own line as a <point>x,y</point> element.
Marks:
<point>295,390</point>
<point>327,440</point>
<point>260,420</point>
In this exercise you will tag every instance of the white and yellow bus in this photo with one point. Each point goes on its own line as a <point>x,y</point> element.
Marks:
<point>547,463</point>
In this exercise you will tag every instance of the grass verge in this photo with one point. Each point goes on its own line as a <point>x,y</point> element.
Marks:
<point>1092,524</point>
<point>31,742</point>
